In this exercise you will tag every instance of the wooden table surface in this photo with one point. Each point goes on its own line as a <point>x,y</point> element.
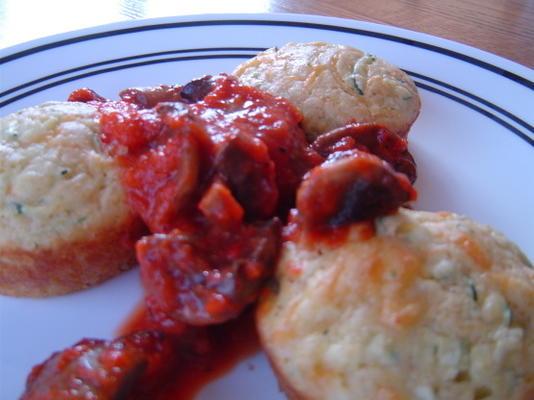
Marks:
<point>502,27</point>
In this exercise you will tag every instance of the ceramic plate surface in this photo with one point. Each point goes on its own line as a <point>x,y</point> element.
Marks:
<point>473,142</point>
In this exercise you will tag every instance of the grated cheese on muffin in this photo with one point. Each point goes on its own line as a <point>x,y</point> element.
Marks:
<point>432,306</point>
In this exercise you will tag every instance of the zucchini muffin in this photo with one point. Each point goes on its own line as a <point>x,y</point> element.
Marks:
<point>428,306</point>
<point>64,221</point>
<point>333,85</point>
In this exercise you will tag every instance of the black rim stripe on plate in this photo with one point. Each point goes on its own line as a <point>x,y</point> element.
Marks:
<point>474,107</point>
<point>433,89</point>
<point>472,60</point>
<point>254,50</point>
<point>117,68</point>
<point>501,110</point>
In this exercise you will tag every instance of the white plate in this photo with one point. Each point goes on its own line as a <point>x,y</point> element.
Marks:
<point>473,142</point>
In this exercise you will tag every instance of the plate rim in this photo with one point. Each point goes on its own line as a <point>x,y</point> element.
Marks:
<point>484,59</point>
<point>471,56</point>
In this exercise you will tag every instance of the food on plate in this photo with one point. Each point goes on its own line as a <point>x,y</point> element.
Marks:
<point>213,175</point>
<point>371,138</point>
<point>64,221</point>
<point>243,194</point>
<point>415,305</point>
<point>210,167</point>
<point>98,369</point>
<point>142,364</point>
<point>350,186</point>
<point>333,85</point>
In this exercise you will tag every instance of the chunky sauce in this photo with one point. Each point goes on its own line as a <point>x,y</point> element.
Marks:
<point>230,343</point>
<point>213,169</point>
<point>211,175</point>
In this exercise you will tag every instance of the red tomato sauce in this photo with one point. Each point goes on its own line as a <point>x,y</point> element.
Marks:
<point>213,169</point>
<point>229,344</point>
<point>246,139</point>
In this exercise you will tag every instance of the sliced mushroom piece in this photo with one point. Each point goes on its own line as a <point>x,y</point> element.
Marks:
<point>210,277</point>
<point>101,370</point>
<point>372,138</point>
<point>350,187</point>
